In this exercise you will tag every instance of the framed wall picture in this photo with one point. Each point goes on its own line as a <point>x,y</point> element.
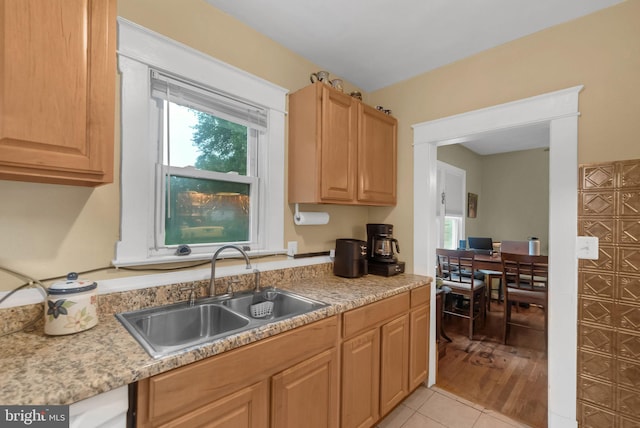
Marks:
<point>472,205</point>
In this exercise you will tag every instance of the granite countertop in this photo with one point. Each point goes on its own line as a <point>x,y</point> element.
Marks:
<point>38,369</point>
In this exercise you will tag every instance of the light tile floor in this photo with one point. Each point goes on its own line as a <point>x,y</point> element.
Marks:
<point>436,408</point>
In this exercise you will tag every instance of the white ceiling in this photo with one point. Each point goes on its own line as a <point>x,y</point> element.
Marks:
<point>507,140</point>
<point>376,43</point>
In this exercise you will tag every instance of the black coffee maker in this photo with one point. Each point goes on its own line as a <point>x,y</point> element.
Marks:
<point>380,250</point>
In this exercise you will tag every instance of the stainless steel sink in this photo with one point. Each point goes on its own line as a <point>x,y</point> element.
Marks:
<point>172,328</point>
<point>285,304</point>
<point>167,329</point>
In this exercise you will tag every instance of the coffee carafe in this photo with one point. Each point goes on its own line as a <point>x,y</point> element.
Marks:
<point>381,243</point>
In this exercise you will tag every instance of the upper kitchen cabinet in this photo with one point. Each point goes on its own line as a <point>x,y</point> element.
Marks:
<point>377,156</point>
<point>57,90</point>
<point>341,151</point>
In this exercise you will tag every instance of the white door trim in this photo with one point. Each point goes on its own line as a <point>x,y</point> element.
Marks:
<point>560,109</point>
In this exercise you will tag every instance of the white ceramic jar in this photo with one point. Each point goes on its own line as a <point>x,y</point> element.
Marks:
<point>71,306</point>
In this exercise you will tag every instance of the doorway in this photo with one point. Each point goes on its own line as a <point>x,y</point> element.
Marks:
<point>560,109</point>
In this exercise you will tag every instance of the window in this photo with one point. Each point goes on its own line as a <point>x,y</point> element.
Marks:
<point>207,170</point>
<point>202,153</point>
<point>451,231</point>
<point>450,205</point>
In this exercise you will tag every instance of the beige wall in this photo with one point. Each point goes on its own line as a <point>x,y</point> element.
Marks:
<point>600,51</point>
<point>512,189</point>
<point>48,230</point>
<point>515,195</point>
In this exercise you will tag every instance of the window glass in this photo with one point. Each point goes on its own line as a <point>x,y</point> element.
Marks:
<point>199,207</point>
<point>208,177</point>
<point>203,211</point>
<point>451,231</point>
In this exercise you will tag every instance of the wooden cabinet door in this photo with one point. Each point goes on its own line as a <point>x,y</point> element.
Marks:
<point>57,90</point>
<point>247,408</point>
<point>338,148</point>
<point>377,157</point>
<point>306,395</point>
<point>418,347</point>
<point>361,380</point>
<point>394,364</point>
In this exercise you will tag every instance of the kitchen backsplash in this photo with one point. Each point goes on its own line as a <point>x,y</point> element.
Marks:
<point>108,304</point>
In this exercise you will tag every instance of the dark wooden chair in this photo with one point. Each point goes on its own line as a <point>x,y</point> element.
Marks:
<point>458,272</point>
<point>526,280</point>
<point>512,247</point>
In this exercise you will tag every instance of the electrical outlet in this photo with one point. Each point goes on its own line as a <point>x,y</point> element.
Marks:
<point>587,247</point>
<point>292,248</point>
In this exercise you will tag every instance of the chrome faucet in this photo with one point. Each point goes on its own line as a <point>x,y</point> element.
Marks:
<point>212,283</point>
<point>192,295</point>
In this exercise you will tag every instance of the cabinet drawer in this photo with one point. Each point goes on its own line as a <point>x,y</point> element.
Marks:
<point>363,318</point>
<point>420,296</point>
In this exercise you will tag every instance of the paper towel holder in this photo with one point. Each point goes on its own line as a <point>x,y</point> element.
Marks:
<point>309,218</point>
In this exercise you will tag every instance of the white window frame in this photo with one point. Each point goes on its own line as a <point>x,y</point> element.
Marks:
<point>443,170</point>
<point>139,51</point>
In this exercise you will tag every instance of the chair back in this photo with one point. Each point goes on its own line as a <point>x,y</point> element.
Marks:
<point>456,265</point>
<point>527,273</point>
<point>514,247</point>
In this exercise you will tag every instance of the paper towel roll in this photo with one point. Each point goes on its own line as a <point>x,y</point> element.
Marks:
<point>310,218</point>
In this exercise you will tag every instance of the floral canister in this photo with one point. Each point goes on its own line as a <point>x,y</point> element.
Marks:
<point>71,306</point>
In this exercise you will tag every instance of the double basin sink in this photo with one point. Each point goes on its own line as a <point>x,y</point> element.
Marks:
<point>169,329</point>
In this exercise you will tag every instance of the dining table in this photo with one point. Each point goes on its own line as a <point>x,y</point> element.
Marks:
<point>491,262</point>
<point>491,266</point>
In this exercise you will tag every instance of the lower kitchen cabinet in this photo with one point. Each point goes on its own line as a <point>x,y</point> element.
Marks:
<point>384,356</point>
<point>315,376</point>
<point>374,352</point>
<point>394,365</point>
<point>232,389</point>
<point>246,408</point>
<point>306,395</point>
<point>419,346</point>
<point>361,379</point>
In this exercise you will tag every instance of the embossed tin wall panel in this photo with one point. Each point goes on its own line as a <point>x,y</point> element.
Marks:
<point>597,176</point>
<point>596,365</point>
<point>597,311</point>
<point>628,374</point>
<point>594,417</point>
<point>597,285</point>
<point>596,339</point>
<point>598,203</point>
<point>601,228</point>
<point>628,288</point>
<point>609,297</point>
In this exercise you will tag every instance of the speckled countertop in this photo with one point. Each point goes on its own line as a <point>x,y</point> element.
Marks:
<point>39,369</point>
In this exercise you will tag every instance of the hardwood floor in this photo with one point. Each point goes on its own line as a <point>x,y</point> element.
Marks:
<point>510,379</point>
